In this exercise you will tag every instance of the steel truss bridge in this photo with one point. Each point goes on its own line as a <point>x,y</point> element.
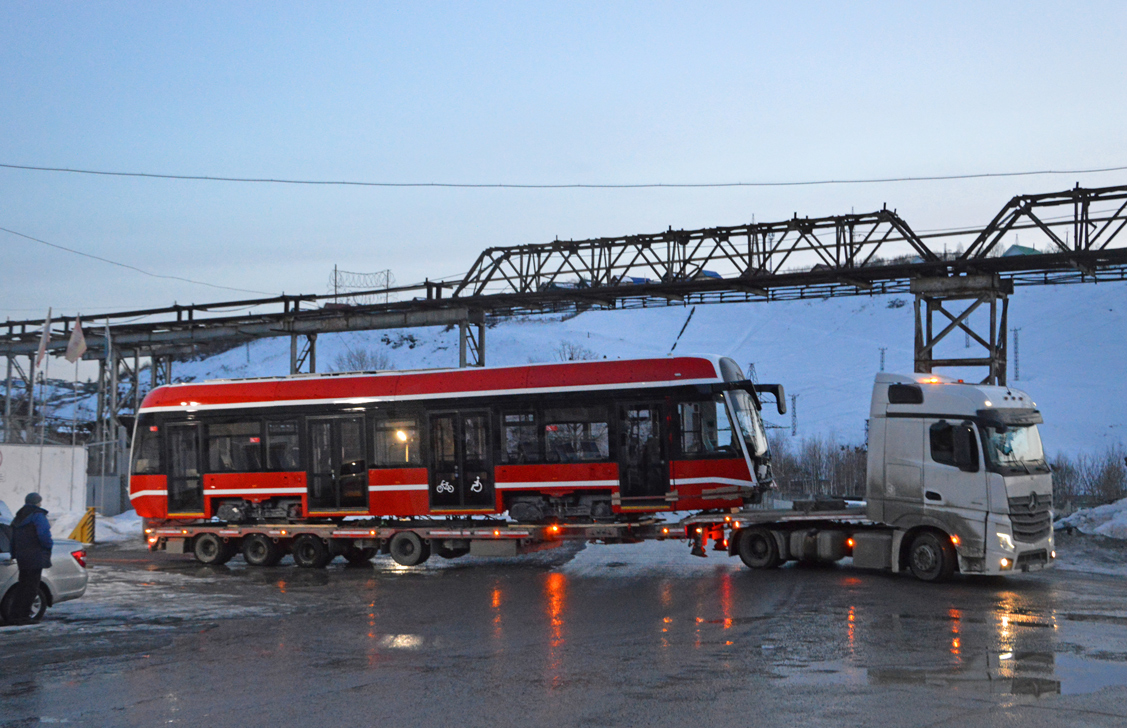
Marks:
<point>951,274</point>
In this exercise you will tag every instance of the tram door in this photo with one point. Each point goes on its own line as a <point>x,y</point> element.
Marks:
<point>185,486</point>
<point>338,470</point>
<point>643,460</point>
<point>461,467</point>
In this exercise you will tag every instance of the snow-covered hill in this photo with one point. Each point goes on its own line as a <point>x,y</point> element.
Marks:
<point>1072,350</point>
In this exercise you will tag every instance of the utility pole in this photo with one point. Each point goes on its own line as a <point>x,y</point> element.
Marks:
<point>793,415</point>
<point>1017,355</point>
<point>882,350</point>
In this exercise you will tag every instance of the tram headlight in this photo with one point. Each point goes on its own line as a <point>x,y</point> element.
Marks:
<point>1006,542</point>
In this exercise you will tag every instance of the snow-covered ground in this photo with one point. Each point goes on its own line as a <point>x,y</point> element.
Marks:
<point>1108,520</point>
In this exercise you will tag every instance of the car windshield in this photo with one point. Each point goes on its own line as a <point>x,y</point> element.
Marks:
<point>751,425</point>
<point>1015,447</point>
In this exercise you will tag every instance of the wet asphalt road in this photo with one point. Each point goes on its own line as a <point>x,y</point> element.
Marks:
<point>546,641</point>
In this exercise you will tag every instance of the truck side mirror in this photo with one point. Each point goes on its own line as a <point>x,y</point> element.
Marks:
<point>966,450</point>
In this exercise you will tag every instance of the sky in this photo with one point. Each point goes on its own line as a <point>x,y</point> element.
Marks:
<point>527,93</point>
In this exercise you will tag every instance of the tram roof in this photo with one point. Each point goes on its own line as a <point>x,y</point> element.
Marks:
<point>365,387</point>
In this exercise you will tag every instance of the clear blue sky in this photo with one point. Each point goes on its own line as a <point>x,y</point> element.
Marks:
<point>514,92</point>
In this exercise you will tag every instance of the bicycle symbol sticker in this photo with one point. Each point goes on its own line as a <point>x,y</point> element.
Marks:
<point>444,487</point>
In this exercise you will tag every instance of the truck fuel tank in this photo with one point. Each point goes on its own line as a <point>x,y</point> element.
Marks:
<point>872,550</point>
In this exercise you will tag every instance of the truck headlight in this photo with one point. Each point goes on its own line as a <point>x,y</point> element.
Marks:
<point>1006,542</point>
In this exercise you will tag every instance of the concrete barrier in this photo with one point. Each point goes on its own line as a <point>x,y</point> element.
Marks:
<point>62,483</point>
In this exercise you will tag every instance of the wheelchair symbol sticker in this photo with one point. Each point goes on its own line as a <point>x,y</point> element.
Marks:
<point>477,486</point>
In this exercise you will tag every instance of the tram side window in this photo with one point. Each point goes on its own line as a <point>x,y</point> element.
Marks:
<point>234,447</point>
<point>283,451</point>
<point>395,443</point>
<point>521,444</point>
<point>576,434</point>
<point>706,429</point>
<point>146,454</point>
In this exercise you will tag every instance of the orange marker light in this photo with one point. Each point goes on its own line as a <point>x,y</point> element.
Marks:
<point>849,542</point>
<point>955,539</point>
<point>496,533</point>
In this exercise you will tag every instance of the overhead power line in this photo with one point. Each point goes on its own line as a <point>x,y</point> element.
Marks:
<point>132,267</point>
<point>577,185</point>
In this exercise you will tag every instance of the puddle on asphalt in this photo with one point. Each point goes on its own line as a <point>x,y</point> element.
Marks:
<point>1030,673</point>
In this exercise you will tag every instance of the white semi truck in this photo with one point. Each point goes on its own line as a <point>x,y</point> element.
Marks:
<point>957,479</point>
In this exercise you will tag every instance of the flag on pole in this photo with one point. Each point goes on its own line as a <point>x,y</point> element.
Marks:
<point>76,347</point>
<point>44,340</point>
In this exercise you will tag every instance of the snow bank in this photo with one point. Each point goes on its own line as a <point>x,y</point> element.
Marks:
<point>107,529</point>
<point>1109,520</point>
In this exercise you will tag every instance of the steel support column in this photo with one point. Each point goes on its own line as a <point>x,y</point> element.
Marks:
<point>471,343</point>
<point>306,352</point>
<point>969,293</point>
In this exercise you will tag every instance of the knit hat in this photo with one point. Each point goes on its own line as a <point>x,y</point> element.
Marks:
<point>33,499</point>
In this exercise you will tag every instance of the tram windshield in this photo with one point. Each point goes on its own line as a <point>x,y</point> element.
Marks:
<point>750,423</point>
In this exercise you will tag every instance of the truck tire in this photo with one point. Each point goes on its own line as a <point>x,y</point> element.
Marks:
<point>758,549</point>
<point>931,557</point>
<point>212,550</point>
<point>311,552</point>
<point>407,549</point>
<point>260,550</point>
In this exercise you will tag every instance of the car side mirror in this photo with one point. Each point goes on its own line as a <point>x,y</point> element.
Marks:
<point>966,453</point>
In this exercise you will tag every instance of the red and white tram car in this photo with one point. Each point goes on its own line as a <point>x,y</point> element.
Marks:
<point>598,440</point>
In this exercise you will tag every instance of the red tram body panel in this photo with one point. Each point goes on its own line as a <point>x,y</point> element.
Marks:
<point>592,439</point>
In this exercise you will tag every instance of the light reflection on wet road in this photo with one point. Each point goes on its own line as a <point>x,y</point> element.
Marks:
<point>526,641</point>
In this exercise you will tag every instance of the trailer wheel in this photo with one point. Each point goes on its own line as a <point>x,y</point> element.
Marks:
<point>931,558</point>
<point>260,550</point>
<point>758,549</point>
<point>210,549</point>
<point>451,553</point>
<point>407,549</point>
<point>357,556</point>
<point>311,552</point>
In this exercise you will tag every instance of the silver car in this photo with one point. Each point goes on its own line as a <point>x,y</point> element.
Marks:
<point>65,580</point>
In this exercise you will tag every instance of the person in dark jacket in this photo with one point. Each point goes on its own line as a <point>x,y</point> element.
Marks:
<point>31,548</point>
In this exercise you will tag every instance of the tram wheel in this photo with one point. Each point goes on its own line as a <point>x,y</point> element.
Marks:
<point>408,549</point>
<point>311,552</point>
<point>261,550</point>
<point>210,549</point>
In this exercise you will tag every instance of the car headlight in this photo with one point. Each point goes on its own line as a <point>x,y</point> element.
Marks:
<point>1006,542</point>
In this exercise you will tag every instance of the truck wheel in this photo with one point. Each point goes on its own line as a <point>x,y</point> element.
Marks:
<point>408,549</point>
<point>311,552</point>
<point>931,557</point>
<point>210,549</point>
<point>259,550</point>
<point>357,556</point>
<point>758,549</point>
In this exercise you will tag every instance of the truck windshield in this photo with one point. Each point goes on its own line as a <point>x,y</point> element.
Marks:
<point>751,425</point>
<point>1015,448</point>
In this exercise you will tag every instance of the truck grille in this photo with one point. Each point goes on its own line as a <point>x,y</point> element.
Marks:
<point>1031,517</point>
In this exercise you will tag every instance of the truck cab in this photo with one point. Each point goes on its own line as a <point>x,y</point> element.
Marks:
<point>963,463</point>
